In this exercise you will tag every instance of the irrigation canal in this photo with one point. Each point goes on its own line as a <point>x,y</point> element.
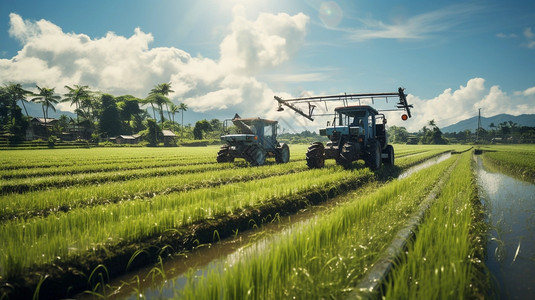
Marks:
<point>511,243</point>
<point>152,285</point>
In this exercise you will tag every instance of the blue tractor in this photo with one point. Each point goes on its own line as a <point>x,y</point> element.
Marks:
<point>254,140</point>
<point>356,132</point>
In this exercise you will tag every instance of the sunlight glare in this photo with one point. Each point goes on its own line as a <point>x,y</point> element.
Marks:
<point>330,13</point>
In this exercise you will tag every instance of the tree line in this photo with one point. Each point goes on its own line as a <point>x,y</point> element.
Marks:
<point>106,115</point>
<point>505,132</point>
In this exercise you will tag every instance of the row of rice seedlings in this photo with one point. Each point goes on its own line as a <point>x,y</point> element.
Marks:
<point>55,200</point>
<point>94,162</point>
<point>444,260</point>
<point>65,199</point>
<point>102,167</point>
<point>46,158</point>
<point>73,234</point>
<point>322,258</point>
<point>57,181</point>
<point>402,150</point>
<point>69,157</point>
<point>515,160</point>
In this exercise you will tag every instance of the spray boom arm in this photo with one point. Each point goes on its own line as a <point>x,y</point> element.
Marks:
<point>290,103</point>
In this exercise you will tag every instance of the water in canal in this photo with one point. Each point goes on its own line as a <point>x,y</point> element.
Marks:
<point>511,245</point>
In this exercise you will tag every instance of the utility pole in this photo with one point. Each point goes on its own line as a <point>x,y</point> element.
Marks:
<point>478,126</point>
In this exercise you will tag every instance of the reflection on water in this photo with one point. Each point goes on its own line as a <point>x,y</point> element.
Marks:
<point>511,244</point>
<point>426,164</point>
<point>208,257</point>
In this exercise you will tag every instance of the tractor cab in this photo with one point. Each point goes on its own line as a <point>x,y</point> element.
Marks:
<point>253,139</point>
<point>252,130</point>
<point>358,122</point>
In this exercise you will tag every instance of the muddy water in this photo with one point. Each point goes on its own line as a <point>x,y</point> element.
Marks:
<point>511,245</point>
<point>211,256</point>
<point>426,164</point>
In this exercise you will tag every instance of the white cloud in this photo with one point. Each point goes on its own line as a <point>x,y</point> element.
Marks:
<point>127,65</point>
<point>304,77</point>
<point>529,92</point>
<point>417,27</point>
<point>506,36</point>
<point>453,106</point>
<point>266,42</point>
<point>528,34</point>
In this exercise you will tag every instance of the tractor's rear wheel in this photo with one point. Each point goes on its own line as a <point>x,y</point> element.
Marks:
<point>373,158</point>
<point>315,156</point>
<point>223,155</point>
<point>257,157</point>
<point>282,154</point>
<point>389,160</point>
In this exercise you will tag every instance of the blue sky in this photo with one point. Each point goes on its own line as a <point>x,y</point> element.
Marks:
<point>227,56</point>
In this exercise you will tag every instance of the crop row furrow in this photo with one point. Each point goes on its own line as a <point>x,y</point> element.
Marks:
<point>85,178</point>
<point>45,202</point>
<point>95,168</point>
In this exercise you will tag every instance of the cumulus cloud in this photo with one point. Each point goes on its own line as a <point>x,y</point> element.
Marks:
<point>128,65</point>
<point>250,48</point>
<point>452,106</point>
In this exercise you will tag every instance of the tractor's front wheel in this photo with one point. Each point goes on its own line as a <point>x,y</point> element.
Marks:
<point>373,159</point>
<point>282,154</point>
<point>315,156</point>
<point>223,155</point>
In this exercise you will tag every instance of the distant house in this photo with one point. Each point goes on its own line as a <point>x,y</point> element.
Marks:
<point>169,137</point>
<point>82,130</point>
<point>39,125</point>
<point>125,139</point>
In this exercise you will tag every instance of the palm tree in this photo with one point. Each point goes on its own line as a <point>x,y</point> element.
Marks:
<point>183,107</point>
<point>76,96</point>
<point>15,92</point>
<point>163,89</point>
<point>174,108</point>
<point>149,100</point>
<point>47,99</point>
<point>159,100</point>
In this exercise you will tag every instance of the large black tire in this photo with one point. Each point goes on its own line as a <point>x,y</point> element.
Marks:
<point>389,160</point>
<point>223,155</point>
<point>315,156</point>
<point>347,155</point>
<point>373,157</point>
<point>257,157</point>
<point>282,154</point>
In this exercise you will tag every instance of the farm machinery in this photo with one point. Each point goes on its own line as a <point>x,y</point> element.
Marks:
<point>356,132</point>
<point>255,140</point>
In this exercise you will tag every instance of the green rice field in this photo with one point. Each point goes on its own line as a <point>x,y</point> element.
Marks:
<point>68,215</point>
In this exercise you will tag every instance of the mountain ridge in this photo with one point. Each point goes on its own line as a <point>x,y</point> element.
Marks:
<point>471,123</point>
